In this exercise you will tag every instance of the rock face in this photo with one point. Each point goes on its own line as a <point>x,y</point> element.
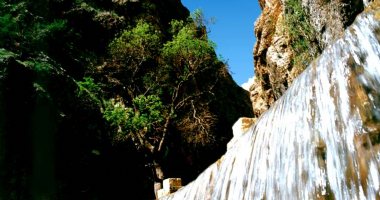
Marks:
<point>276,50</point>
<point>330,18</point>
<point>271,42</point>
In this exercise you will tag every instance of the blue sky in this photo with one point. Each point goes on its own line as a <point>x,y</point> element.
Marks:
<point>232,32</point>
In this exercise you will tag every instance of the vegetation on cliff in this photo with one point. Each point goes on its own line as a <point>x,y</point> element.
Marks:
<point>290,35</point>
<point>303,36</point>
<point>99,99</point>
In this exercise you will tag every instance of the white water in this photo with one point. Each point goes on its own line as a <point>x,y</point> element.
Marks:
<point>319,141</point>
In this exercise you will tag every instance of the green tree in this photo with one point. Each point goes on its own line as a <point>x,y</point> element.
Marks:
<point>143,123</point>
<point>135,53</point>
<point>165,85</point>
<point>186,59</point>
<point>136,46</point>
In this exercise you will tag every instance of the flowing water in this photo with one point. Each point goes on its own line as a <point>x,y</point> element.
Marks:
<point>321,140</point>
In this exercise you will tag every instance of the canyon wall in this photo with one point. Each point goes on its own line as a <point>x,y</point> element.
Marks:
<point>290,34</point>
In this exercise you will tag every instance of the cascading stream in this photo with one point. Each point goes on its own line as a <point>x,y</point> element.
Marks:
<point>321,140</point>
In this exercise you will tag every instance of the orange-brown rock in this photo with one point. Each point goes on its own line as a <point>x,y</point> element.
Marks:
<point>272,55</point>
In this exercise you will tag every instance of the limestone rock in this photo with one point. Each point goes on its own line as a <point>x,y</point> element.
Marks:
<point>272,56</point>
<point>273,53</point>
<point>170,185</point>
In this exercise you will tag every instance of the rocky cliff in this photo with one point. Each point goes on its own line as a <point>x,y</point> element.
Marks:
<point>290,34</point>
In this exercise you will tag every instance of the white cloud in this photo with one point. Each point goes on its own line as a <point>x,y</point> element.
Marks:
<point>248,84</point>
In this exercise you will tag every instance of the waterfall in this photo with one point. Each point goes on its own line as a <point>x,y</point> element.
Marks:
<point>320,140</point>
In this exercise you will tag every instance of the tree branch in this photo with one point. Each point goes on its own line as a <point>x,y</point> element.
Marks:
<point>167,122</point>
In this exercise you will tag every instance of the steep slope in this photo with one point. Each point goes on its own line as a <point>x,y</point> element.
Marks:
<point>98,102</point>
<point>290,34</point>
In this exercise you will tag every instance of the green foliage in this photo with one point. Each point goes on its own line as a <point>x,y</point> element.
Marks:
<point>42,32</point>
<point>8,29</point>
<point>89,89</point>
<point>302,34</point>
<point>176,26</point>
<point>198,17</point>
<point>42,68</point>
<point>173,76</point>
<point>5,54</point>
<point>148,112</point>
<point>188,53</point>
<point>20,27</point>
<point>145,115</point>
<point>136,45</point>
<point>40,65</point>
<point>135,52</point>
<point>88,85</point>
<point>116,113</point>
